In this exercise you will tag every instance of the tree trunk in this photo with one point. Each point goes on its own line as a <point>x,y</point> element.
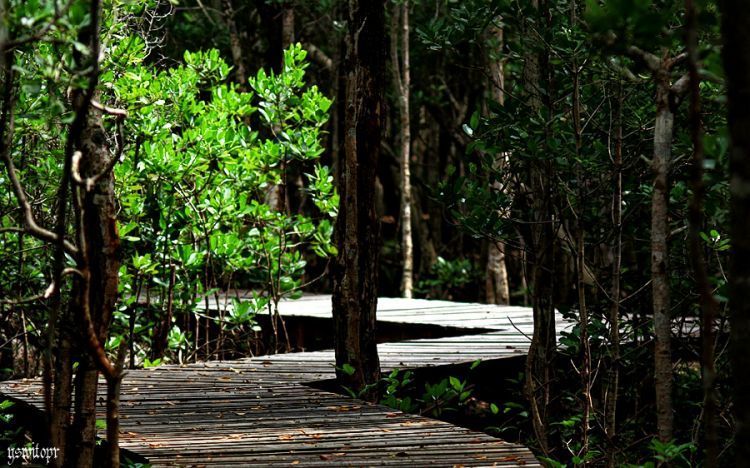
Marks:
<point>709,305</point>
<point>426,135</point>
<point>100,244</point>
<point>277,196</point>
<point>235,43</point>
<point>82,435</point>
<point>277,21</point>
<point>355,271</point>
<point>539,361</point>
<point>659,253</point>
<point>735,18</point>
<point>98,263</point>
<point>287,26</point>
<point>497,286</point>
<point>668,96</point>
<point>62,389</point>
<point>583,322</point>
<point>402,79</point>
<point>613,373</point>
<point>113,413</point>
<point>160,341</point>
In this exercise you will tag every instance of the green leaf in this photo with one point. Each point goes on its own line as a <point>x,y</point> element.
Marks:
<point>455,383</point>
<point>81,48</point>
<point>348,369</point>
<point>474,121</point>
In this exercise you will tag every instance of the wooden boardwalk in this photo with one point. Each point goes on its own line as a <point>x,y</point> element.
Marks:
<point>259,412</point>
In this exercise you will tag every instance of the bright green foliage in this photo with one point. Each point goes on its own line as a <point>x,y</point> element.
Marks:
<point>199,160</point>
<point>395,387</point>
<point>446,395</point>
<point>196,179</point>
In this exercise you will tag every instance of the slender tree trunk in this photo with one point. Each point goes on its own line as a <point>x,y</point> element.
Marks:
<point>613,378</point>
<point>539,361</point>
<point>278,196</point>
<point>287,26</point>
<point>402,81</point>
<point>161,332</point>
<point>585,367</point>
<point>735,18</point>
<point>660,253</point>
<point>355,271</point>
<point>113,414</point>
<point>420,214</point>
<point>668,96</point>
<point>62,388</point>
<point>709,305</point>
<point>235,43</point>
<point>497,286</point>
<point>80,435</point>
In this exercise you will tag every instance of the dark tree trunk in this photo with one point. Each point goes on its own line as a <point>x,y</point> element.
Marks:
<point>161,332</point>
<point>613,373</point>
<point>736,38</point>
<point>709,304</point>
<point>235,43</point>
<point>62,390</point>
<point>357,232</point>
<point>82,436</point>
<point>100,244</point>
<point>426,135</point>
<point>98,264</point>
<point>277,19</point>
<point>541,243</point>
<point>100,224</point>
<point>287,26</point>
<point>660,253</point>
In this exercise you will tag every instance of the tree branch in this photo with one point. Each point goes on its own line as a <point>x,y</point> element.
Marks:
<point>652,61</point>
<point>681,86</point>
<point>318,56</point>
<point>677,59</point>
<point>22,300</point>
<point>119,113</point>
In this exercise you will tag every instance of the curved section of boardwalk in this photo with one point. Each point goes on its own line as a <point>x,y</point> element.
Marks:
<point>259,412</point>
